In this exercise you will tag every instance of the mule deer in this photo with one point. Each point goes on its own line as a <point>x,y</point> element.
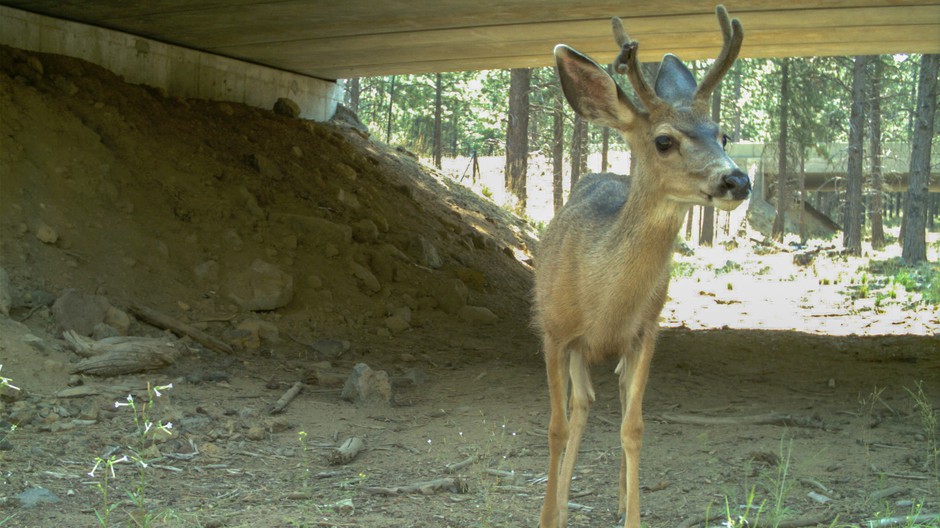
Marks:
<point>603,267</point>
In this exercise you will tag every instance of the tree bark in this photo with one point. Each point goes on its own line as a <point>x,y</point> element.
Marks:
<point>914,246</point>
<point>558,151</point>
<point>577,148</point>
<point>852,225</point>
<point>783,194</point>
<point>391,105</point>
<point>707,235</point>
<point>876,185</point>
<point>353,92</point>
<point>517,133</point>
<point>438,148</point>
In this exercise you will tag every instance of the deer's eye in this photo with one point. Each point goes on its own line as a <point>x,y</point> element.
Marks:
<point>725,140</point>
<point>663,143</point>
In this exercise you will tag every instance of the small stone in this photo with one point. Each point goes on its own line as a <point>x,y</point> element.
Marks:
<point>36,496</point>
<point>297,151</point>
<point>287,107</point>
<point>365,385</point>
<point>424,252</point>
<point>345,171</point>
<point>452,296</point>
<point>367,279</point>
<point>477,315</point>
<point>255,433</point>
<point>365,230</point>
<point>331,347</point>
<point>396,324</point>
<point>261,287</point>
<point>46,234</point>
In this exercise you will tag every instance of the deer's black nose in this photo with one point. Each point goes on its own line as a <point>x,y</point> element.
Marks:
<point>737,183</point>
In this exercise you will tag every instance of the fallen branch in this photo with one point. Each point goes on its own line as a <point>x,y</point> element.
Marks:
<point>761,419</point>
<point>115,356</point>
<point>908,520</point>
<point>457,466</point>
<point>161,320</point>
<point>286,398</point>
<point>451,484</point>
<point>347,451</point>
<point>792,523</point>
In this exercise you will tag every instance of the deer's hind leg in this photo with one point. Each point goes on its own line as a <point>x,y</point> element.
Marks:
<point>633,370</point>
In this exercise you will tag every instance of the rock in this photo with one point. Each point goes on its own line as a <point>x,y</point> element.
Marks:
<point>287,107</point>
<point>330,347</point>
<point>424,253</point>
<point>207,273</point>
<point>36,496</point>
<point>365,385</point>
<point>345,171</point>
<point>266,167</point>
<point>472,278</point>
<point>348,199</point>
<point>319,229</point>
<point>367,280</point>
<point>348,117</point>
<point>396,324</point>
<point>452,296</point>
<point>6,295</point>
<point>118,319</point>
<point>103,331</point>
<point>366,231</point>
<point>46,234</point>
<point>253,332</point>
<point>261,287</point>
<point>80,312</point>
<point>256,433</point>
<point>477,315</point>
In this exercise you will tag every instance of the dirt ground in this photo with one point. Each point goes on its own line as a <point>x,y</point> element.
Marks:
<point>817,399</point>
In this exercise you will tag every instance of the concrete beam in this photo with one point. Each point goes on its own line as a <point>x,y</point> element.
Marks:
<point>180,71</point>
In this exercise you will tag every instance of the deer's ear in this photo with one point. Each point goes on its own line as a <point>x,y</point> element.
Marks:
<point>590,91</point>
<point>674,82</point>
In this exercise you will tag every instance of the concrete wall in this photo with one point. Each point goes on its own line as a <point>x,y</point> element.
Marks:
<point>179,71</point>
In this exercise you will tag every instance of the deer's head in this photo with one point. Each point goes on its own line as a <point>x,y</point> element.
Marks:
<point>679,149</point>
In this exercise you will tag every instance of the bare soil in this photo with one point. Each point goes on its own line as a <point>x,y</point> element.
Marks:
<point>141,190</point>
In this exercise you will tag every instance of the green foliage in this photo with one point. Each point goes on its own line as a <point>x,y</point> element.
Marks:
<point>923,278</point>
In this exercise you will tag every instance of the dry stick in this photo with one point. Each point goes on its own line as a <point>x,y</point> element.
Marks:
<point>347,451</point>
<point>457,466</point>
<point>161,320</point>
<point>288,396</point>
<point>794,523</point>
<point>761,419</point>
<point>452,484</point>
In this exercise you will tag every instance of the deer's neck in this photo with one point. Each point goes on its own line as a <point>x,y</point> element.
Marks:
<point>646,229</point>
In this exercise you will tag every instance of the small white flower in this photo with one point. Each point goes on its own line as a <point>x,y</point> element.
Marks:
<point>92,472</point>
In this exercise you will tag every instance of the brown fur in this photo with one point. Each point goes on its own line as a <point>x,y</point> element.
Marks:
<point>603,266</point>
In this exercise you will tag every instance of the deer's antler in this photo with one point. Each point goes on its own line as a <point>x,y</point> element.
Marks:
<point>732,34</point>
<point>628,63</point>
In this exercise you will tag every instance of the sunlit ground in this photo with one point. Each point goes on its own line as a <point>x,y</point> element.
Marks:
<point>743,284</point>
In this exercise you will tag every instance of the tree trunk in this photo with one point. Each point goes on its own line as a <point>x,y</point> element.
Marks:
<point>558,151</point>
<point>577,148</point>
<point>517,133</point>
<point>852,225</point>
<point>914,247</point>
<point>707,235</point>
<point>875,207</point>
<point>438,148</point>
<point>783,194</point>
<point>391,105</point>
<point>353,92</point>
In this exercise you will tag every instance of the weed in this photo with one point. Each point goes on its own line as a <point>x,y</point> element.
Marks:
<point>929,423</point>
<point>486,191</point>
<point>779,485</point>
<point>146,433</point>
<point>682,269</point>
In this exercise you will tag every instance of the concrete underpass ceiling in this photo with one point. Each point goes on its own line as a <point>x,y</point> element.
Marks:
<point>332,39</point>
